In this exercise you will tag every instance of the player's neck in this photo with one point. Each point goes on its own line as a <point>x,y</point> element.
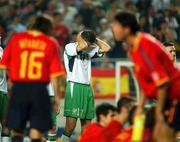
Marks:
<point>130,40</point>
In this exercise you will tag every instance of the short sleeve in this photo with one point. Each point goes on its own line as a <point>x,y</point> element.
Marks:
<point>71,49</point>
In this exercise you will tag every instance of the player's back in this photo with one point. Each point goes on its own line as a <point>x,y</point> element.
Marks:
<point>30,56</point>
<point>154,67</point>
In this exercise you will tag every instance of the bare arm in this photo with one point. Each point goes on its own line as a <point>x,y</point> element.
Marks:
<point>57,96</point>
<point>81,43</point>
<point>141,103</point>
<point>104,47</point>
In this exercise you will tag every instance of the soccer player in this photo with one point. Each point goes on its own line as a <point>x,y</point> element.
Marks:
<point>32,60</point>
<point>3,97</point>
<point>124,106</point>
<point>79,100</point>
<point>155,72</point>
<point>104,113</point>
<point>170,50</point>
<point>126,134</point>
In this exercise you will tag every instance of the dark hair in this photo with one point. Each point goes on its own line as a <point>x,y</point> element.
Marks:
<point>168,43</point>
<point>89,36</point>
<point>43,24</point>
<point>127,19</point>
<point>124,102</point>
<point>104,109</point>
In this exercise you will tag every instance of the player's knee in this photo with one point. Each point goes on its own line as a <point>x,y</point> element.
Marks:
<point>70,125</point>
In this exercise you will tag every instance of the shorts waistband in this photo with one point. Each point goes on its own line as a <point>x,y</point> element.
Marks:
<point>79,83</point>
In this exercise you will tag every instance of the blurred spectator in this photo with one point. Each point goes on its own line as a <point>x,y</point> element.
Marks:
<point>130,6</point>
<point>16,24</point>
<point>172,22</point>
<point>160,18</point>
<point>87,13</point>
<point>114,8</point>
<point>99,14</point>
<point>106,32</point>
<point>77,23</point>
<point>61,32</point>
<point>143,6</point>
<point>160,4</point>
<point>164,33</point>
<point>151,19</point>
<point>143,22</point>
<point>51,7</point>
<point>68,13</point>
<point>27,12</point>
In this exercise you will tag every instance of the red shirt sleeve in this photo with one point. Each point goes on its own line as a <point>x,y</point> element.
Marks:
<point>56,66</point>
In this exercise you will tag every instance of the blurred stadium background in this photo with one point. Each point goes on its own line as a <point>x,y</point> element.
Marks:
<point>161,18</point>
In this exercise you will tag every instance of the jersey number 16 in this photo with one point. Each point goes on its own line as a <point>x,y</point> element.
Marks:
<point>30,67</point>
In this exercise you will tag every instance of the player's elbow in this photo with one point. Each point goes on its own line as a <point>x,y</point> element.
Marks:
<point>106,49</point>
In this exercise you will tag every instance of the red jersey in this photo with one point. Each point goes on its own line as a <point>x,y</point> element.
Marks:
<point>32,57</point>
<point>125,136</point>
<point>91,133</point>
<point>110,132</point>
<point>153,67</point>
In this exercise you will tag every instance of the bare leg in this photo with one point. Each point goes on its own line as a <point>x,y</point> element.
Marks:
<point>69,128</point>
<point>84,124</point>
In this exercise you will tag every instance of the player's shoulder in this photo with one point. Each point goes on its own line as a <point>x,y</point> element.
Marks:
<point>70,45</point>
<point>150,40</point>
<point>148,37</point>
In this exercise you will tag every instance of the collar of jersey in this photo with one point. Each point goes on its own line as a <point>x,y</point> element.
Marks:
<point>35,33</point>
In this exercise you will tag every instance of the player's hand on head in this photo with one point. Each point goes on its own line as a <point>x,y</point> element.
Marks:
<point>82,44</point>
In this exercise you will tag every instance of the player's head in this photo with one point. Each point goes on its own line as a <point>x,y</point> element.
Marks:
<point>43,24</point>
<point>124,105</point>
<point>124,24</point>
<point>89,36</point>
<point>170,50</point>
<point>104,113</point>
